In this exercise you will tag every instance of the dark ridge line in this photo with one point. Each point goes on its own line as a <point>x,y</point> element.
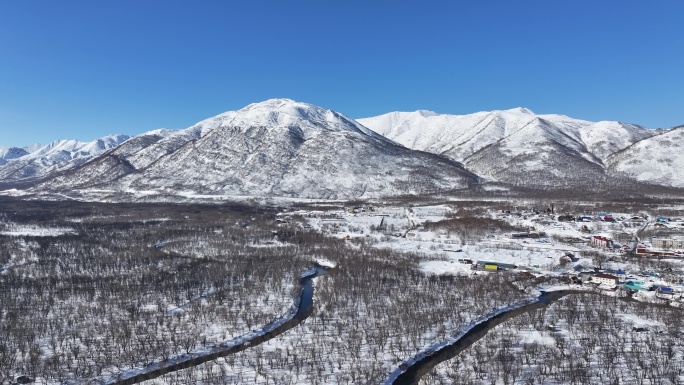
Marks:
<point>304,305</point>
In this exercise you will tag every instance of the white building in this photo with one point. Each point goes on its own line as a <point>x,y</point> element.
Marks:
<point>605,279</point>
<point>668,243</point>
<point>601,241</point>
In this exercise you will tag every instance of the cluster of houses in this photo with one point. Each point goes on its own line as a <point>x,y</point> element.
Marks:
<point>594,218</point>
<point>588,218</point>
<point>668,223</point>
<point>590,224</point>
<point>614,279</point>
<point>359,209</point>
<point>659,247</point>
<point>609,280</point>
<point>606,243</point>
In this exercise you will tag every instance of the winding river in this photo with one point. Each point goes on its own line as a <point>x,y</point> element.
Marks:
<point>303,306</point>
<point>410,372</point>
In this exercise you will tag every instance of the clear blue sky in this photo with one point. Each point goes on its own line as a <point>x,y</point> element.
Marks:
<point>84,69</point>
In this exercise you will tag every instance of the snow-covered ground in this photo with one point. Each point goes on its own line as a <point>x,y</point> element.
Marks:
<point>403,230</point>
<point>404,282</point>
<point>14,230</point>
<point>582,339</point>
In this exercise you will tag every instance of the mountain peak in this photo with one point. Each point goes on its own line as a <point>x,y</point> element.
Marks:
<point>7,153</point>
<point>280,113</point>
<point>276,104</point>
<point>274,108</point>
<point>426,113</point>
<point>520,110</point>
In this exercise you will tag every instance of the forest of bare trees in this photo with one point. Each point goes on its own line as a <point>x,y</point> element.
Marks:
<point>582,339</point>
<point>92,290</point>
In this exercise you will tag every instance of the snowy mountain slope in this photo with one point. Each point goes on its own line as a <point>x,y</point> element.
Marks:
<point>32,147</point>
<point>537,154</point>
<point>514,146</point>
<point>275,148</point>
<point>457,136</point>
<point>606,138</point>
<point>284,148</point>
<point>657,160</point>
<point>168,142</point>
<point>112,165</point>
<point>9,153</point>
<point>131,156</point>
<point>460,136</point>
<point>55,157</point>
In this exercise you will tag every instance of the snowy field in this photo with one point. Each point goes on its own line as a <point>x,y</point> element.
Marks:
<point>407,230</point>
<point>14,230</point>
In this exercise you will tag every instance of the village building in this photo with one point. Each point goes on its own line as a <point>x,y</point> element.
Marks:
<point>620,274</point>
<point>668,243</point>
<point>645,251</point>
<point>634,285</point>
<point>604,279</point>
<point>494,266</point>
<point>665,292</point>
<point>601,241</point>
<point>608,218</point>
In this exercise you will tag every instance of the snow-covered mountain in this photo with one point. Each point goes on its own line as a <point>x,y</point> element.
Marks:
<point>657,160</point>
<point>275,148</point>
<point>285,148</point>
<point>514,146</point>
<point>55,157</point>
<point>32,147</point>
<point>9,153</point>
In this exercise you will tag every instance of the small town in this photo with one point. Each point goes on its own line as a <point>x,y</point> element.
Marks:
<point>625,254</point>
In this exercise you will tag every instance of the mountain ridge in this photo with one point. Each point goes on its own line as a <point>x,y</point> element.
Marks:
<point>275,148</point>
<point>55,157</point>
<point>281,147</point>
<point>490,142</point>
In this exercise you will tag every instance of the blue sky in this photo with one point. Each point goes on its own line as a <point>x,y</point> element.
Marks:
<point>84,69</point>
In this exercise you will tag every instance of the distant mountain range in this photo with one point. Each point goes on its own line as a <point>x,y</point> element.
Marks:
<point>517,146</point>
<point>35,163</point>
<point>285,148</point>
